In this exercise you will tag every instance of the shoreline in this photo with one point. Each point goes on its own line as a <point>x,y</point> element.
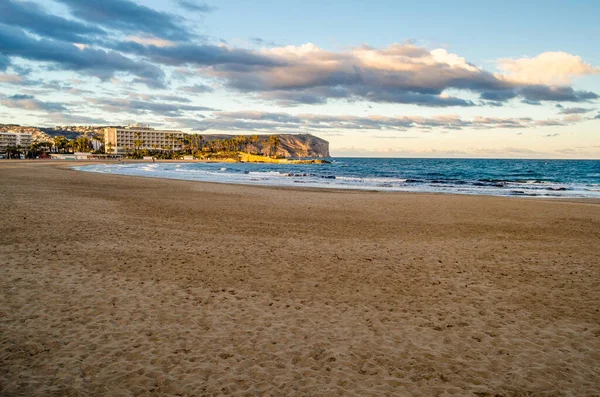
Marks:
<point>69,164</point>
<point>139,285</point>
<point>343,188</point>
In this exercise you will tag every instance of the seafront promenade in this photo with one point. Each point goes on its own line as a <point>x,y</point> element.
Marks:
<point>114,285</point>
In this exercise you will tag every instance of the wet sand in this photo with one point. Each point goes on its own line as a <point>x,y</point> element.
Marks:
<point>125,286</point>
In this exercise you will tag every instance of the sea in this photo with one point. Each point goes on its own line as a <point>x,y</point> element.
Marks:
<point>516,178</point>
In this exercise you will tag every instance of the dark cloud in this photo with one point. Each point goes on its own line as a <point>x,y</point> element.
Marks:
<point>4,62</point>
<point>500,96</point>
<point>535,94</point>
<point>414,98</point>
<point>529,102</point>
<point>30,16</point>
<point>597,116</point>
<point>97,62</point>
<point>575,111</point>
<point>558,94</point>
<point>128,16</point>
<point>29,102</point>
<point>139,107</point>
<point>322,95</point>
<point>197,89</point>
<point>196,6</point>
<point>200,55</point>
<point>294,98</point>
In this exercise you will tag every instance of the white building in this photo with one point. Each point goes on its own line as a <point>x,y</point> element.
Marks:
<point>15,139</point>
<point>122,140</point>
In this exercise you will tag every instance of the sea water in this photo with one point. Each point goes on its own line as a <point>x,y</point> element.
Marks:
<point>528,178</point>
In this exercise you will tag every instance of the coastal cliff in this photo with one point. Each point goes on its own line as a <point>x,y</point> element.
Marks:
<point>304,145</point>
<point>289,146</point>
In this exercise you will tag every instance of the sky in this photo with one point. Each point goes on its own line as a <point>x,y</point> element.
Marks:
<point>428,78</point>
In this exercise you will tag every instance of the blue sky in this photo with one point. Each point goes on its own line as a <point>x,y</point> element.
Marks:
<point>378,78</point>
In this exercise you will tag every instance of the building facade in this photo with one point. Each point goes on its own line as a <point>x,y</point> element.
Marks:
<point>15,139</point>
<point>127,139</point>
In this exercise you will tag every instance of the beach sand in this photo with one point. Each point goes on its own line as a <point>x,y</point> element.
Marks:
<point>125,286</point>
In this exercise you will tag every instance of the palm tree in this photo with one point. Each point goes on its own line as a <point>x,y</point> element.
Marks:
<point>13,152</point>
<point>183,142</point>
<point>194,142</point>
<point>274,142</point>
<point>49,145</point>
<point>254,139</point>
<point>60,142</point>
<point>171,138</point>
<point>138,143</point>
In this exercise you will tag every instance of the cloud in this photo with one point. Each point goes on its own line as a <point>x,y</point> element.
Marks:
<point>194,6</point>
<point>399,73</point>
<point>104,38</point>
<point>597,116</point>
<point>160,97</point>
<point>538,93</point>
<point>263,42</point>
<point>218,56</point>
<point>551,135</point>
<point>151,40</point>
<point>573,118</point>
<point>281,122</point>
<point>575,111</point>
<point>550,123</point>
<point>32,17</point>
<point>96,62</point>
<point>128,16</point>
<point>4,62</point>
<point>29,102</point>
<point>197,89</point>
<point>7,78</point>
<point>139,107</point>
<point>76,119</point>
<point>548,68</point>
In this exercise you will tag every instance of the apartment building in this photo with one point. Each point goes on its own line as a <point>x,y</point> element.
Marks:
<point>121,140</point>
<point>15,139</point>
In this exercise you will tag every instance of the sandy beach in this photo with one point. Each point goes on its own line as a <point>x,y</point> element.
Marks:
<point>125,286</point>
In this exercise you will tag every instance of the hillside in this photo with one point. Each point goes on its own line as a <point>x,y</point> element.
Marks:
<point>290,146</point>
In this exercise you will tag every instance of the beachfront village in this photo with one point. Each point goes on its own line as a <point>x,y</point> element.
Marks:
<point>139,141</point>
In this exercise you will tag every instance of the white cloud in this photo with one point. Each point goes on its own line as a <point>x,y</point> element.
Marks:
<point>149,40</point>
<point>552,68</point>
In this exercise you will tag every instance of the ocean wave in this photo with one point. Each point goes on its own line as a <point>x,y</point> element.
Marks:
<point>386,175</point>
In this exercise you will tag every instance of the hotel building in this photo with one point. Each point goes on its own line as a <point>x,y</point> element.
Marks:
<point>15,139</point>
<point>121,140</point>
